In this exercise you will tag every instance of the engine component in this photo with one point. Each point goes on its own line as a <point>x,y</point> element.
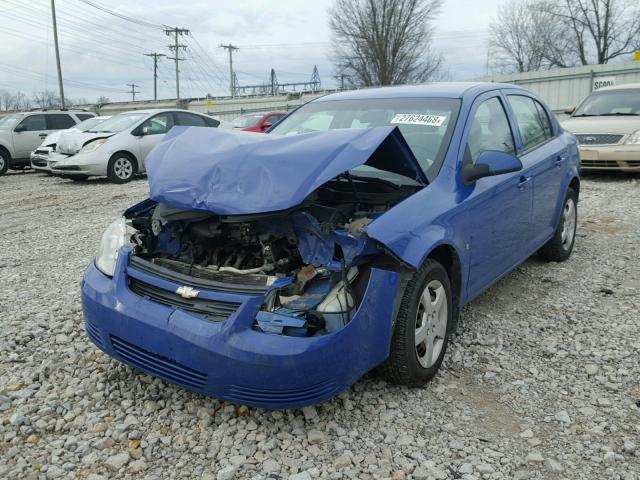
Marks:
<point>339,305</point>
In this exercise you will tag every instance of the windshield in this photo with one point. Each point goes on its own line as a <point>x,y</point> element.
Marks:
<point>425,123</point>
<point>89,123</point>
<point>246,121</point>
<point>612,102</point>
<point>118,123</point>
<point>10,121</point>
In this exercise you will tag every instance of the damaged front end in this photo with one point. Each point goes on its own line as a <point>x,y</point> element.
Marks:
<point>311,263</point>
<point>277,299</point>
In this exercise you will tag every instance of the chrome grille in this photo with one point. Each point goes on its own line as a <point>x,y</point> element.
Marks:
<point>598,138</point>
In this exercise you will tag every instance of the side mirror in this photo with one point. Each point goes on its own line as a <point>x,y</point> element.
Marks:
<point>569,110</point>
<point>489,164</point>
<point>144,131</point>
<point>266,125</point>
<point>20,128</point>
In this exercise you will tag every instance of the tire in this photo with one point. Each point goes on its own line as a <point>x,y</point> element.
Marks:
<point>5,160</point>
<point>408,363</point>
<point>559,248</point>
<point>121,168</point>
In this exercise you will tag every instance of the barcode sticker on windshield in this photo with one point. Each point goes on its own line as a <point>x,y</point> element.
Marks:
<point>417,119</point>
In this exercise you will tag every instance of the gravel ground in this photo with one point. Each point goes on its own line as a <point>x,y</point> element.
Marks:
<point>542,381</point>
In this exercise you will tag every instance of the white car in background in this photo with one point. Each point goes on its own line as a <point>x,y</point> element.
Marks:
<point>118,147</point>
<point>40,156</point>
<point>21,133</point>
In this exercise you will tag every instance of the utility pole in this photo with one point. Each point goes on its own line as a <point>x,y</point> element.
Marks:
<point>55,41</point>
<point>231,48</point>
<point>155,57</point>
<point>133,90</point>
<point>175,48</point>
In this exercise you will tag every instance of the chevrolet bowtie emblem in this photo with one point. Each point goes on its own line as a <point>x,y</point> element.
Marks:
<point>187,292</point>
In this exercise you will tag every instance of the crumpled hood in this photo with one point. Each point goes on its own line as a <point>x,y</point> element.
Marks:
<point>235,172</point>
<point>71,141</point>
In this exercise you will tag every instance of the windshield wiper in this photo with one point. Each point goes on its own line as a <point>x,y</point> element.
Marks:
<point>618,113</point>
<point>585,115</point>
<point>381,181</point>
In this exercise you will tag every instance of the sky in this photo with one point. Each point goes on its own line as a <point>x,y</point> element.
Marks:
<point>101,54</point>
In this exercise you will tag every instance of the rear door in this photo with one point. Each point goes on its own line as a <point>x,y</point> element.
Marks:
<point>539,147</point>
<point>499,207</point>
<point>27,140</point>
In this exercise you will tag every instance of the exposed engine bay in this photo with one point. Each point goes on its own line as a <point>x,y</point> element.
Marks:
<point>313,260</point>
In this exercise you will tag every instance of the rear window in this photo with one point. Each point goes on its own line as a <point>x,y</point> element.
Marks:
<point>84,116</point>
<point>191,120</point>
<point>59,121</point>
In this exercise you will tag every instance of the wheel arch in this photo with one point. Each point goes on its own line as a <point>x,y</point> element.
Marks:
<point>6,150</point>
<point>447,256</point>
<point>575,184</point>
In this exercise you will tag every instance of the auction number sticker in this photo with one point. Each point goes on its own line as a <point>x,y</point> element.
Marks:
<point>417,119</point>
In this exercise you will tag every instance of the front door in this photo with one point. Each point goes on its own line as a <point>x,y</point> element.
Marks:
<point>498,207</point>
<point>154,130</point>
<point>33,130</point>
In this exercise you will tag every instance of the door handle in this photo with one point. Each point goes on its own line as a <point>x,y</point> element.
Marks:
<point>43,135</point>
<point>523,182</point>
<point>559,160</point>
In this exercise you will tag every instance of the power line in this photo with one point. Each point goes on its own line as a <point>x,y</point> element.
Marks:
<point>121,16</point>
<point>175,48</point>
<point>133,90</point>
<point>155,57</point>
<point>231,48</point>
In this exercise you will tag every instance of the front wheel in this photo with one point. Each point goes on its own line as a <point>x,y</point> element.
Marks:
<point>121,168</point>
<point>559,248</point>
<point>4,162</point>
<point>421,330</point>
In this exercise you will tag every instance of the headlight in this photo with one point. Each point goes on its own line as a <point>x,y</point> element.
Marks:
<point>90,147</point>
<point>116,235</point>
<point>634,138</point>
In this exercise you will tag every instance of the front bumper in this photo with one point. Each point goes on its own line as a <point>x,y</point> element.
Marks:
<point>610,157</point>
<point>85,164</point>
<point>40,162</point>
<point>229,360</point>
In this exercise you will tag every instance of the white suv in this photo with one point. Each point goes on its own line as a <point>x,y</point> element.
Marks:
<point>21,133</point>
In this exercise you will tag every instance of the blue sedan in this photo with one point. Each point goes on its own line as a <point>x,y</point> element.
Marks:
<point>275,270</point>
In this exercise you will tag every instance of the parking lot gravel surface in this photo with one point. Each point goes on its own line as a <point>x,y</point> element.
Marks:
<point>541,382</point>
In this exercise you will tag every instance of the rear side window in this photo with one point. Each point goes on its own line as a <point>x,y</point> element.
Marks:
<point>59,121</point>
<point>84,116</point>
<point>190,120</point>
<point>490,130</point>
<point>533,121</point>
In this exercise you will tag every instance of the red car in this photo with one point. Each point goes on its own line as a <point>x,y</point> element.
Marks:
<point>257,122</point>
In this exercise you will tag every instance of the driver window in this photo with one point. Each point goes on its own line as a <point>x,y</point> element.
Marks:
<point>33,123</point>
<point>159,124</point>
<point>490,130</point>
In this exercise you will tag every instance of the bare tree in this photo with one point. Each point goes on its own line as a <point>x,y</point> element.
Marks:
<point>602,30</point>
<point>46,99</point>
<point>527,36</point>
<point>537,34</point>
<point>384,42</point>
<point>102,100</point>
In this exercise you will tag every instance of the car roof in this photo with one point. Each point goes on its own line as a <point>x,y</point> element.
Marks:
<point>624,86</point>
<point>438,89</point>
<point>148,111</point>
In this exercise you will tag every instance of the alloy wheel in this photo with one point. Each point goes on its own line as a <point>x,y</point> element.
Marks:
<point>568,224</point>
<point>431,323</point>
<point>123,168</point>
